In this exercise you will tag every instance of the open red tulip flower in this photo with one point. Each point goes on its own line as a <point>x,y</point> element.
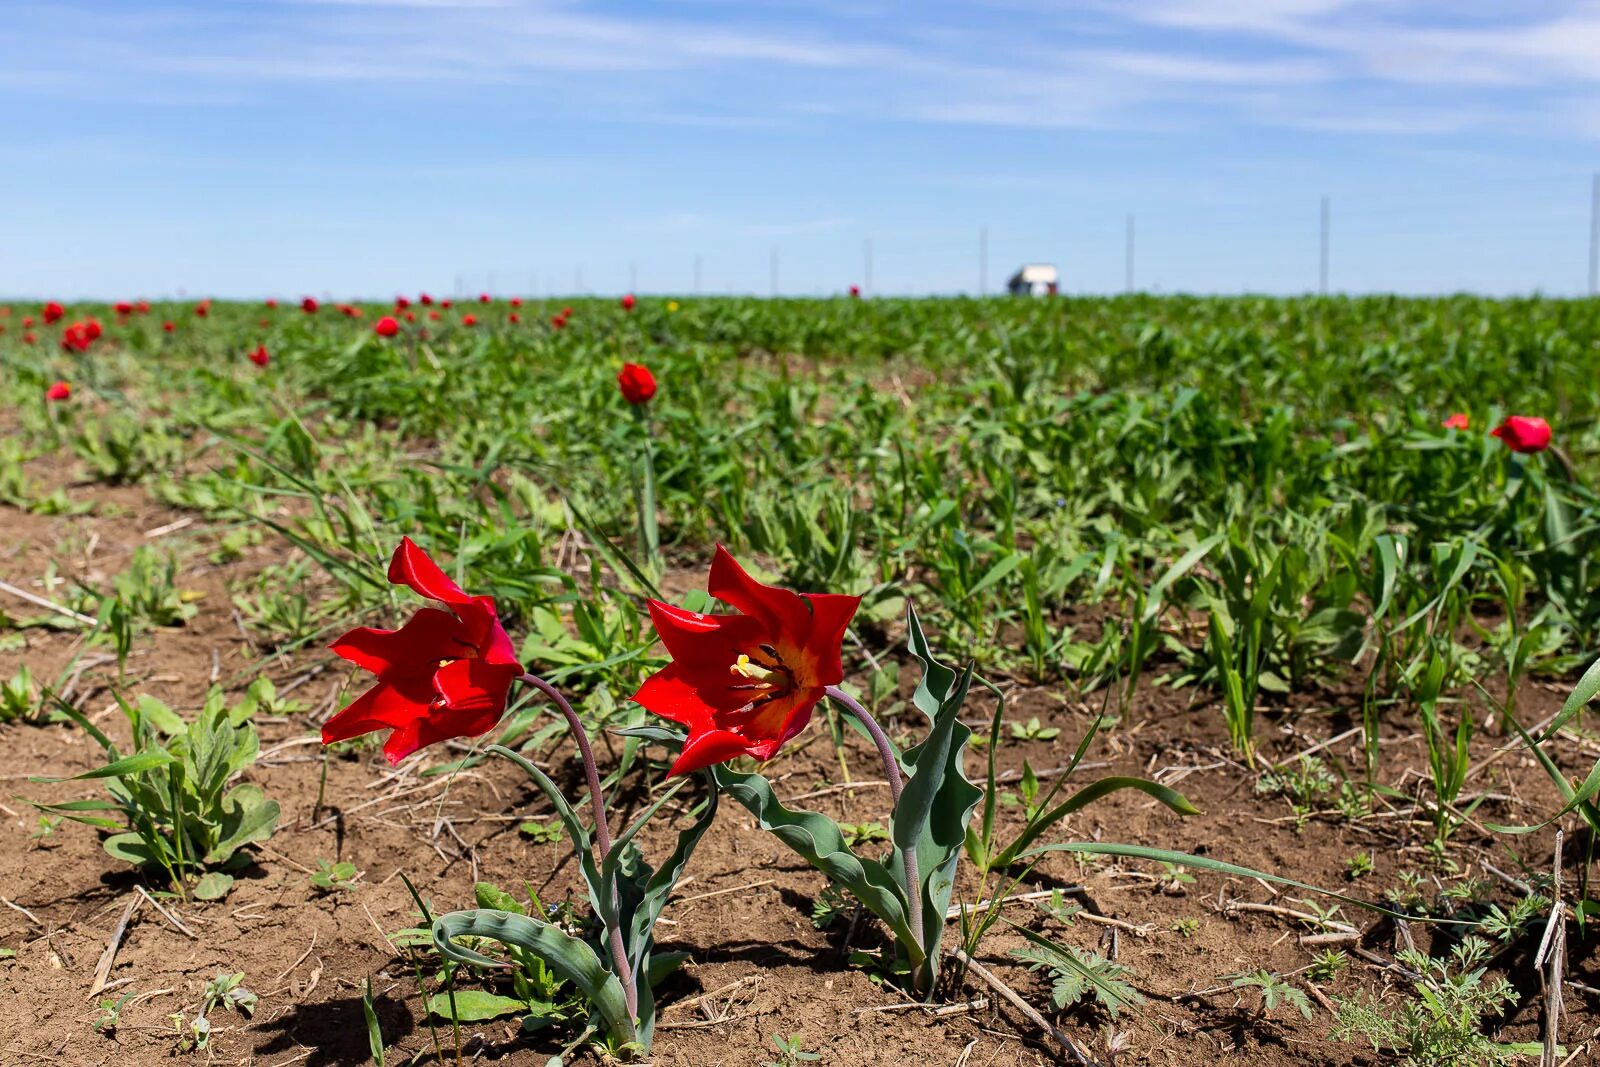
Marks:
<point>745,684</point>
<point>53,313</point>
<point>1458,421</point>
<point>169,326</point>
<point>58,391</point>
<point>386,326</point>
<point>469,320</point>
<point>261,357</point>
<point>1524,433</point>
<point>123,307</point>
<point>855,292</point>
<point>309,306</point>
<point>638,385</point>
<point>628,302</point>
<point>444,674</point>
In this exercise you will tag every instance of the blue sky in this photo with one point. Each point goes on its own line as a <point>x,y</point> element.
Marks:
<point>368,147</point>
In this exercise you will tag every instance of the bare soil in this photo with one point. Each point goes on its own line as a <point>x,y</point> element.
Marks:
<point>744,916</point>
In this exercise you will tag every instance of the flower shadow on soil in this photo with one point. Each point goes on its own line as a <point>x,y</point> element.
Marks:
<point>335,1030</point>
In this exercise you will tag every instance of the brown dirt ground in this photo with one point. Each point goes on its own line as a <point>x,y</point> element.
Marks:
<point>744,915</point>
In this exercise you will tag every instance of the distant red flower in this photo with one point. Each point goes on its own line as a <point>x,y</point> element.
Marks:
<point>58,391</point>
<point>53,313</point>
<point>271,303</point>
<point>5,313</point>
<point>1524,433</point>
<point>263,323</point>
<point>75,338</point>
<point>411,316</point>
<point>202,310</point>
<point>469,320</point>
<point>169,326</point>
<point>557,322</point>
<point>386,326</point>
<point>260,357</point>
<point>444,674</point>
<point>29,338</point>
<point>142,307</point>
<point>628,301</point>
<point>638,385</point>
<point>855,291</point>
<point>309,306</point>
<point>124,307</point>
<point>516,301</point>
<point>483,298</point>
<point>513,318</point>
<point>27,322</point>
<point>566,313</point>
<point>425,299</point>
<point>401,303</point>
<point>1458,421</point>
<point>745,684</point>
<point>445,304</point>
<point>92,329</point>
<point>433,316</point>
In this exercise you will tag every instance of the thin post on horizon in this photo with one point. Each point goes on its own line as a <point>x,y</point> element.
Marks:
<point>1322,262</point>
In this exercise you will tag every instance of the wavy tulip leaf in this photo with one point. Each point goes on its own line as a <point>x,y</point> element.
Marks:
<point>1086,796</point>
<point>564,954</point>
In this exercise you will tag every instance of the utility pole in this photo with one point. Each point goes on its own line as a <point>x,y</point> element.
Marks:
<point>983,261</point>
<point>1594,238</point>
<point>1322,265</point>
<point>774,271</point>
<point>866,274</point>
<point>1127,258</point>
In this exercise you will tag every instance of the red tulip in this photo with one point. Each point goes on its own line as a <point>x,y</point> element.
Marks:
<point>169,326</point>
<point>411,316</point>
<point>75,338</point>
<point>566,313</point>
<point>516,301</point>
<point>628,302</point>
<point>1524,433</point>
<point>425,299</point>
<point>260,357</point>
<point>53,313</point>
<point>638,385</point>
<point>855,291</point>
<point>445,304</point>
<point>5,312</point>
<point>271,303</point>
<point>124,307</point>
<point>557,322</point>
<point>445,674</point>
<point>58,391</point>
<point>1458,421</point>
<point>433,316</point>
<point>92,330</point>
<point>483,298</point>
<point>27,322</point>
<point>513,318</point>
<point>386,326</point>
<point>745,684</point>
<point>401,303</point>
<point>309,306</point>
<point>263,323</point>
<point>202,310</point>
<point>469,320</point>
<point>29,338</point>
<point>142,307</point>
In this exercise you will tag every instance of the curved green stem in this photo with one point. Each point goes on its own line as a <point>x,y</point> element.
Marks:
<point>602,832</point>
<point>891,771</point>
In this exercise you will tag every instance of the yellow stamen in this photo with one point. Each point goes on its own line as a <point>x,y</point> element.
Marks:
<point>754,671</point>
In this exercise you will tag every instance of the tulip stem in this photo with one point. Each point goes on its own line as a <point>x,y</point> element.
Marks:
<point>891,771</point>
<point>602,832</point>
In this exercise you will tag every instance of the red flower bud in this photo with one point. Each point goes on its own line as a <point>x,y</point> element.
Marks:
<point>169,326</point>
<point>58,391</point>
<point>638,385</point>
<point>1458,421</point>
<point>386,326</point>
<point>469,320</point>
<point>1524,433</point>
<point>628,302</point>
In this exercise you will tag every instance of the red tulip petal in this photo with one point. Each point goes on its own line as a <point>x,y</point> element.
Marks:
<point>830,617</point>
<point>473,686</point>
<point>688,696</point>
<point>704,749</point>
<point>708,642</point>
<point>413,650</point>
<point>387,705</point>
<point>783,613</point>
<point>412,567</point>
